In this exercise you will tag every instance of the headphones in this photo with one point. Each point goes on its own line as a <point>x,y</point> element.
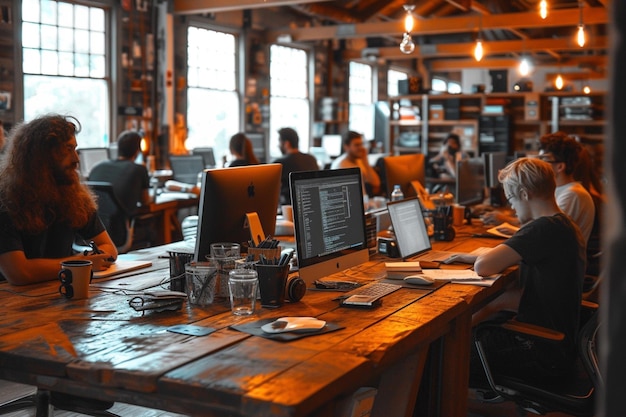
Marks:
<point>295,288</point>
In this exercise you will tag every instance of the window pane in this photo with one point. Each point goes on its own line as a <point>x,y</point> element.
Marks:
<point>30,10</point>
<point>81,62</point>
<point>66,15</point>
<point>66,63</point>
<point>81,39</point>
<point>96,20</point>
<point>97,43</point>
<point>81,15</point>
<point>289,112</point>
<point>30,35</point>
<point>393,77</point>
<point>51,62</point>
<point>48,12</point>
<point>361,110</point>
<point>212,125</point>
<point>98,66</point>
<point>66,39</point>
<point>48,37</point>
<point>31,61</point>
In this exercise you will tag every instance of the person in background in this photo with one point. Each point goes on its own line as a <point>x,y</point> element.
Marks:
<point>444,163</point>
<point>44,208</point>
<point>241,149</point>
<point>2,138</point>
<point>131,182</point>
<point>292,160</point>
<point>562,153</point>
<point>355,155</point>
<point>550,251</point>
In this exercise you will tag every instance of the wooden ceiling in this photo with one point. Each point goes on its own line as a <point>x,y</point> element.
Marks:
<point>445,30</point>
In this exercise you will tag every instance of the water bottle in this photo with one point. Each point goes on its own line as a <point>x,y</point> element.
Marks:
<point>397,194</point>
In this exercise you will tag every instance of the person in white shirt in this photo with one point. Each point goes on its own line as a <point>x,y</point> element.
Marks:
<point>355,155</point>
<point>562,153</point>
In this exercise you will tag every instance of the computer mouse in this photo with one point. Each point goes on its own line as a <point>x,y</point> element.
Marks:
<point>419,280</point>
<point>293,324</point>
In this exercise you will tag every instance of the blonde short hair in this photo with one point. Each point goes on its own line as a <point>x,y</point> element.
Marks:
<point>531,174</point>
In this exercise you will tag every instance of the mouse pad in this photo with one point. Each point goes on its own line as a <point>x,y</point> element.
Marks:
<point>254,328</point>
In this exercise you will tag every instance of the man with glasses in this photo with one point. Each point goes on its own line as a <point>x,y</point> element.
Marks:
<point>550,251</point>
<point>562,153</point>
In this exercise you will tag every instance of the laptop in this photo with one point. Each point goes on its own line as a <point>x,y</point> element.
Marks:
<point>411,234</point>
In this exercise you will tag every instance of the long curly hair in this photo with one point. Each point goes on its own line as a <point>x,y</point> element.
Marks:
<point>240,143</point>
<point>29,190</point>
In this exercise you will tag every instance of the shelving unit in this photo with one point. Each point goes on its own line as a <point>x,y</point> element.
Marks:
<point>7,60</point>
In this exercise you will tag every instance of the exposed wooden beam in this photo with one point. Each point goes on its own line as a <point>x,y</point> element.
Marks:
<point>214,6</point>
<point>556,18</point>
<point>445,50</point>
<point>496,63</point>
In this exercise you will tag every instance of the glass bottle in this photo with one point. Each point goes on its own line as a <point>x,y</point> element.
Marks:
<point>397,194</point>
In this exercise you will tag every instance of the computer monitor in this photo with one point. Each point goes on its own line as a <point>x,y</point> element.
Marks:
<point>494,162</point>
<point>226,195</point>
<point>89,158</point>
<point>470,181</point>
<point>329,221</point>
<point>207,154</point>
<point>185,168</point>
<point>333,145</point>
<point>401,170</point>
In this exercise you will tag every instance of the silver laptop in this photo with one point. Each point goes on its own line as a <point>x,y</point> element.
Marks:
<point>411,234</point>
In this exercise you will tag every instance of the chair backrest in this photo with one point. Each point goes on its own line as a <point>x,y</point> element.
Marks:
<point>588,349</point>
<point>114,217</point>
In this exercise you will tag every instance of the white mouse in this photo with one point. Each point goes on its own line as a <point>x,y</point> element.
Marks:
<point>419,280</point>
<point>291,324</point>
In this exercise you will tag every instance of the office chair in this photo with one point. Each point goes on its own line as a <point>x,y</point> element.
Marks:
<point>574,396</point>
<point>117,221</point>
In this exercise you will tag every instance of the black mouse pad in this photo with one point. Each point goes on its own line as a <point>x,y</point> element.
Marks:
<point>254,328</point>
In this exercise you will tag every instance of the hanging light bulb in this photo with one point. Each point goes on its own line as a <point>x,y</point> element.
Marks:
<point>580,35</point>
<point>558,83</point>
<point>524,67</point>
<point>586,89</point>
<point>478,50</point>
<point>543,9</point>
<point>407,46</point>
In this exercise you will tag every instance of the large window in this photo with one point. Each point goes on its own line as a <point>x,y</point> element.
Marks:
<point>65,65</point>
<point>289,100</point>
<point>212,98</point>
<point>360,98</point>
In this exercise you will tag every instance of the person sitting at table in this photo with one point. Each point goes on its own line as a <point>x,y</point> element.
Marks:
<point>444,163</point>
<point>131,182</point>
<point>355,155</point>
<point>550,251</point>
<point>241,149</point>
<point>44,208</point>
<point>292,160</point>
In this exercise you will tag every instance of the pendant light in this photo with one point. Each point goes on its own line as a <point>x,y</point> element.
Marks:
<point>543,9</point>
<point>478,49</point>
<point>407,46</point>
<point>580,34</point>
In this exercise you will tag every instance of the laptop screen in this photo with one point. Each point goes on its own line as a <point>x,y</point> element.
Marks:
<point>409,227</point>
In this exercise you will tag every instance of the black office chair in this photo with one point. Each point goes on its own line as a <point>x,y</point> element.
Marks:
<point>117,221</point>
<point>573,396</point>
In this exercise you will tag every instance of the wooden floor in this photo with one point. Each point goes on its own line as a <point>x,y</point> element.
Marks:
<point>10,390</point>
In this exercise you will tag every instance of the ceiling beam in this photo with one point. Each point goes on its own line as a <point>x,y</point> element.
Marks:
<point>447,25</point>
<point>490,47</point>
<point>214,6</point>
<point>590,62</point>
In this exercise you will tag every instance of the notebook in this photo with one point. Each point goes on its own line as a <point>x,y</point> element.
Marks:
<point>121,266</point>
<point>410,230</point>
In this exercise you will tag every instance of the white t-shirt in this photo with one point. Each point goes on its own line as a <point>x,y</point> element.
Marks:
<point>576,202</point>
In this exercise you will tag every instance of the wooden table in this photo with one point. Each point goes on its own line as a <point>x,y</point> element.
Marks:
<point>102,348</point>
<point>168,226</point>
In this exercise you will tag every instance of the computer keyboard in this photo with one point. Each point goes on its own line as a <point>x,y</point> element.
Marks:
<point>369,294</point>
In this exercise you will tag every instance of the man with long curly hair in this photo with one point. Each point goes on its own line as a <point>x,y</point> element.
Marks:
<point>44,208</point>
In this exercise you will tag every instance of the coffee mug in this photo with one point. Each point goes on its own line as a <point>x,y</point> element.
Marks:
<point>75,276</point>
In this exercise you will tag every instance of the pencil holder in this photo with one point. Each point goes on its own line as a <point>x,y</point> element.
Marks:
<point>269,253</point>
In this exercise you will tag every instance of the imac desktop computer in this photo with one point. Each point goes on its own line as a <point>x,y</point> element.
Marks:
<point>227,195</point>
<point>329,221</point>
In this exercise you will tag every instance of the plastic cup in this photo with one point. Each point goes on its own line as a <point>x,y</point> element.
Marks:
<point>242,286</point>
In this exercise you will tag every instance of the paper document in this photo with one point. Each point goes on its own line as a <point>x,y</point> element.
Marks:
<point>452,274</point>
<point>505,230</point>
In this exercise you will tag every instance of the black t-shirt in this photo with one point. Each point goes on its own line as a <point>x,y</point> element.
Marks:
<point>552,271</point>
<point>294,162</point>
<point>128,178</point>
<point>55,242</point>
